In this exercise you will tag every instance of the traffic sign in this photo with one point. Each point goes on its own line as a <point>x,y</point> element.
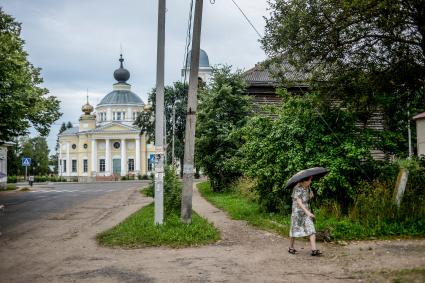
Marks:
<point>26,161</point>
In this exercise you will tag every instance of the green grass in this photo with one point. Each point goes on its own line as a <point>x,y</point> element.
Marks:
<point>239,207</point>
<point>139,230</point>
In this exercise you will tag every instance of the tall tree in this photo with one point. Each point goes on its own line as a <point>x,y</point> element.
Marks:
<point>174,96</point>
<point>223,108</point>
<point>23,103</point>
<point>368,53</point>
<point>37,149</point>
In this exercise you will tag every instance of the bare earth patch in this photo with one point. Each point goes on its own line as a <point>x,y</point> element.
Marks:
<point>62,248</point>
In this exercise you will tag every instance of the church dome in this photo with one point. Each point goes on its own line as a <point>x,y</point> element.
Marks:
<point>87,108</point>
<point>204,62</point>
<point>121,75</point>
<point>121,97</point>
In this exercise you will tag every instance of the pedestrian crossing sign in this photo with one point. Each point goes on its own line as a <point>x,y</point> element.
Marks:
<point>26,161</point>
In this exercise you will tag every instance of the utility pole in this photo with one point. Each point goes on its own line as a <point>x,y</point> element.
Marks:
<point>159,117</point>
<point>189,145</point>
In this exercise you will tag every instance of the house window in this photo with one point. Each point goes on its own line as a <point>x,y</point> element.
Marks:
<point>130,165</point>
<point>85,165</point>
<point>64,165</point>
<point>102,165</point>
<point>118,115</point>
<point>102,116</point>
<point>74,166</point>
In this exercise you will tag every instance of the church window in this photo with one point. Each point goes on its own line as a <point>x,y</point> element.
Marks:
<point>102,165</point>
<point>64,165</point>
<point>118,115</point>
<point>123,115</point>
<point>116,145</point>
<point>85,146</point>
<point>135,115</point>
<point>85,165</point>
<point>130,164</point>
<point>74,165</point>
<point>74,146</point>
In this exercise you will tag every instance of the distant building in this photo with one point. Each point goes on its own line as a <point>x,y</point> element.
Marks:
<point>420,133</point>
<point>262,87</point>
<point>106,144</point>
<point>3,163</point>
<point>205,70</point>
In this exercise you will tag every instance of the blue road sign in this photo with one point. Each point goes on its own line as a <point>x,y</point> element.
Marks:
<point>26,161</point>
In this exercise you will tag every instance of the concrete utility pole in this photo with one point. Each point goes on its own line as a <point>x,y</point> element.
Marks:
<point>189,146</point>
<point>159,117</point>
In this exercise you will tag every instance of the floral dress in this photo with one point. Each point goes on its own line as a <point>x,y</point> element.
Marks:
<point>301,224</point>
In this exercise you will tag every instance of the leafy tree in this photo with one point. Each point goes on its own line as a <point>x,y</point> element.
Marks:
<point>22,102</point>
<point>174,95</point>
<point>224,107</point>
<point>306,132</point>
<point>37,149</point>
<point>369,54</point>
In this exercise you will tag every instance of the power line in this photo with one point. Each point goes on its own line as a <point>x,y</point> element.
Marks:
<point>259,35</point>
<point>188,39</point>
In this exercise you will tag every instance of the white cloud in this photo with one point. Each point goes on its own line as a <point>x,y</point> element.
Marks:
<point>77,43</point>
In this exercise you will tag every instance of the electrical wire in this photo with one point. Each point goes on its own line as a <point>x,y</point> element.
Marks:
<point>188,39</point>
<point>252,25</point>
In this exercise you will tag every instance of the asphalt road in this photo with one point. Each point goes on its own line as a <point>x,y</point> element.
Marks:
<point>23,207</point>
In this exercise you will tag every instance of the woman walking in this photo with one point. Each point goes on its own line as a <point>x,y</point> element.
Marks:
<point>301,218</point>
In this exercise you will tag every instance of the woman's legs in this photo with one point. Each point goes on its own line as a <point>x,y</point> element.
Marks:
<point>291,242</point>
<point>313,241</point>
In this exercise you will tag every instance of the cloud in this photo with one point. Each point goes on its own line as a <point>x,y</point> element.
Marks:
<point>77,43</point>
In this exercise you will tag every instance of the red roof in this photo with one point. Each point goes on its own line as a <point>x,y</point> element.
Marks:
<point>419,116</point>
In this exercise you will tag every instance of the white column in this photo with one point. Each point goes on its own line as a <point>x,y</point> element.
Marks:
<point>109,114</point>
<point>123,158</point>
<point>108,158</point>
<point>138,154</point>
<point>60,160</point>
<point>68,163</point>
<point>93,157</point>
<point>130,114</point>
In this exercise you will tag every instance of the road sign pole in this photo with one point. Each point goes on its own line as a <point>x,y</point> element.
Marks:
<point>26,172</point>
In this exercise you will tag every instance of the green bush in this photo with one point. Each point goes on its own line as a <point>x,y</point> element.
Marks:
<point>40,179</point>
<point>12,179</point>
<point>307,132</point>
<point>172,191</point>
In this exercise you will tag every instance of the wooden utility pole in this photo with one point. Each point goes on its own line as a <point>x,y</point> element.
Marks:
<point>189,145</point>
<point>159,117</point>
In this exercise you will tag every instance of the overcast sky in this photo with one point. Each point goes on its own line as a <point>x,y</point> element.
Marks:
<point>77,43</point>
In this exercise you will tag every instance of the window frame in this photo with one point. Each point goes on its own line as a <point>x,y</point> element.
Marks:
<point>85,165</point>
<point>102,160</point>
<point>74,166</point>
<point>130,165</point>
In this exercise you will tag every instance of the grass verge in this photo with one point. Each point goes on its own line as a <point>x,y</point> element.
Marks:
<point>139,230</point>
<point>240,207</point>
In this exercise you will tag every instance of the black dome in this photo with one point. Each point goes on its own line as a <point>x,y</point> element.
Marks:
<point>121,75</point>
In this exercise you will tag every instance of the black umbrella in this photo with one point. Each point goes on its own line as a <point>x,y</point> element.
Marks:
<point>316,172</point>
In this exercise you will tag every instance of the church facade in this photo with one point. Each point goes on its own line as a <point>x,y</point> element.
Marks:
<point>106,145</point>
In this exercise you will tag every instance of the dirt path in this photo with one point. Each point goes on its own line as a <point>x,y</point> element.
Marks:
<point>61,248</point>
